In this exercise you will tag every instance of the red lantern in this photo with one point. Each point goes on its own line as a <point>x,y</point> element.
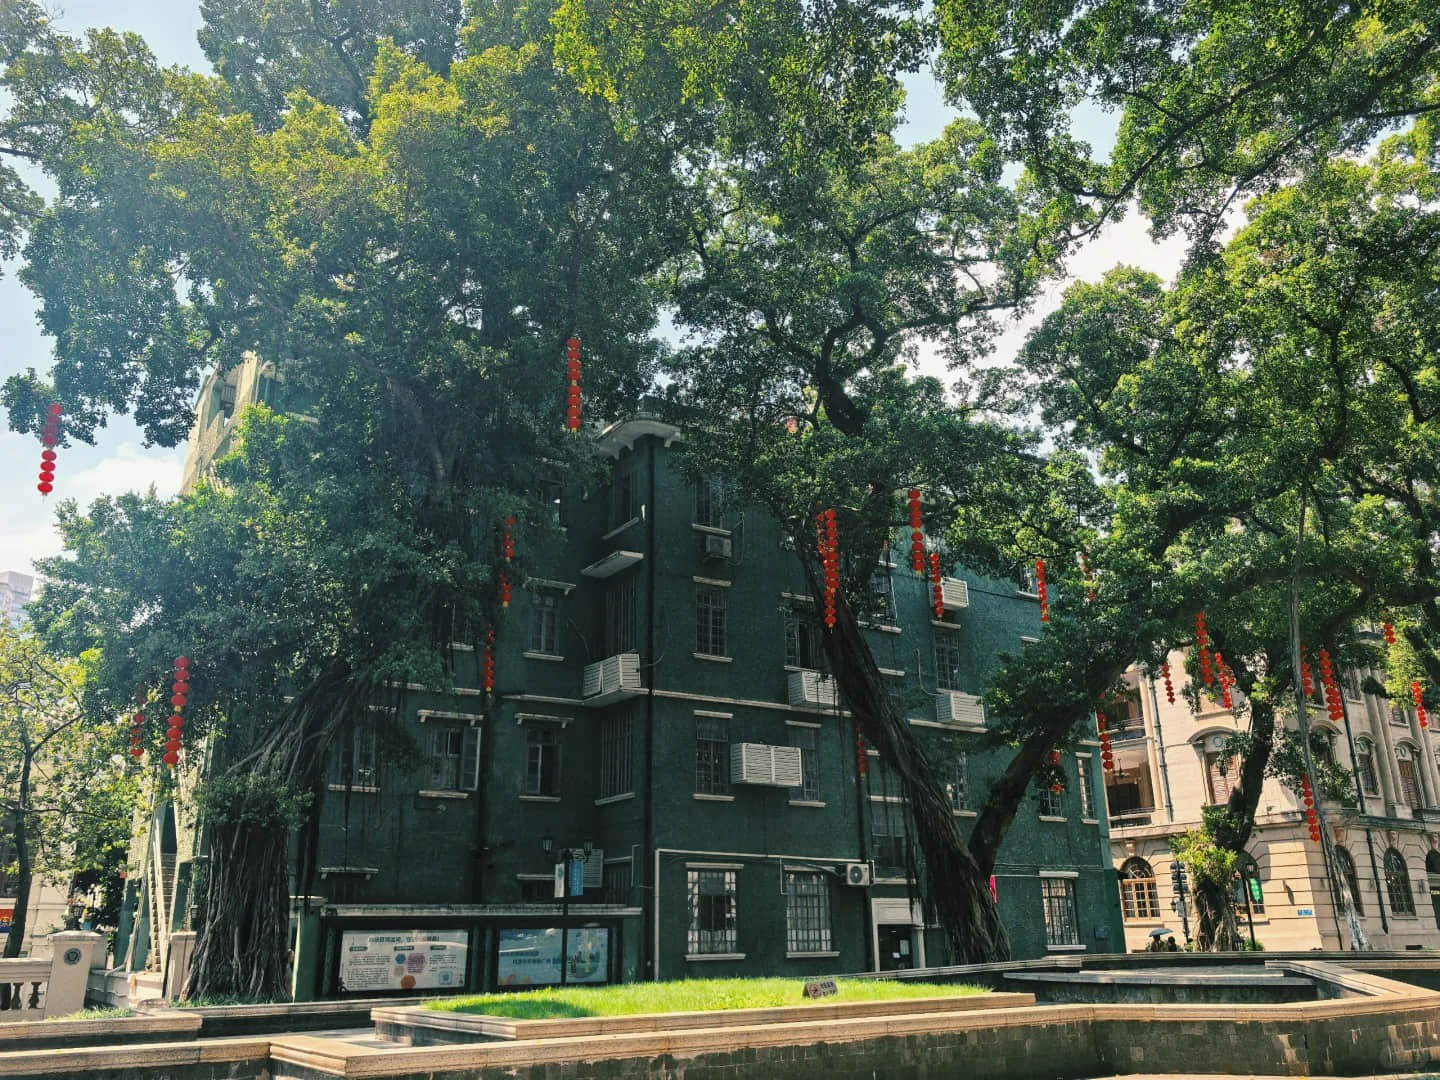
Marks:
<point>1389,633</point>
<point>1169,686</point>
<point>504,583</point>
<point>171,758</point>
<point>1202,644</point>
<point>49,437</point>
<point>572,373</point>
<point>917,536</point>
<point>1418,694</point>
<point>1041,590</point>
<point>137,752</point>
<point>182,662</point>
<point>178,700</point>
<point>507,541</point>
<point>937,590</point>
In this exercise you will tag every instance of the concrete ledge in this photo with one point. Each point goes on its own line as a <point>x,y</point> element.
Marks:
<point>234,1057</point>
<point>68,1034</point>
<point>225,1021</point>
<point>419,1025</point>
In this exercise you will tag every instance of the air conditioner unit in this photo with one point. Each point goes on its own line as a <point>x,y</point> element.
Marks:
<point>953,707</point>
<point>954,593</point>
<point>717,547</point>
<point>857,874</point>
<point>812,690</point>
<point>765,765</point>
<point>611,679</point>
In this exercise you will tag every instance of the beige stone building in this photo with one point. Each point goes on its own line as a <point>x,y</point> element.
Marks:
<point>1388,850</point>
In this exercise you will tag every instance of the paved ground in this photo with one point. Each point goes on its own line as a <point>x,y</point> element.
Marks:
<point>1257,1076</point>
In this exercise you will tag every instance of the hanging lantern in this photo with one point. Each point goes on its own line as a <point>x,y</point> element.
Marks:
<point>1307,679</point>
<point>827,546</point>
<point>1224,674</point>
<point>1169,686</point>
<point>49,439</point>
<point>862,759</point>
<point>1042,591</point>
<point>507,538</point>
<point>937,590</point>
<point>171,758</point>
<point>487,671</point>
<point>1202,646</point>
<point>1332,687</point>
<point>1107,755</point>
<point>1389,633</point>
<point>572,374</point>
<point>917,535</point>
<point>1418,694</point>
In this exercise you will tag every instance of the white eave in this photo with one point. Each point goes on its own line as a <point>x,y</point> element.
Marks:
<point>623,434</point>
<point>612,564</point>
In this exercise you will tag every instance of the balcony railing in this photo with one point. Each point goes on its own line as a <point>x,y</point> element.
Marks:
<point>1142,815</point>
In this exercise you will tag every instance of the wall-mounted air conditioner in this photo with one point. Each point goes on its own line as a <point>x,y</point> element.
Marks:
<point>953,707</point>
<point>857,874</point>
<point>766,765</point>
<point>717,547</point>
<point>954,593</point>
<point>611,679</point>
<point>812,690</point>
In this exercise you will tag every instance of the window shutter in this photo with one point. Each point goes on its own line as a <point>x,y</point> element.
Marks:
<point>470,759</point>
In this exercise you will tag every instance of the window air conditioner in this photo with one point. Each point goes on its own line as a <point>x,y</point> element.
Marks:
<point>717,547</point>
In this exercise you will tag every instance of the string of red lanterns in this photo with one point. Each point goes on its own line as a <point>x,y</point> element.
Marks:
<point>937,590</point>
<point>137,725</point>
<point>49,439</point>
<point>179,697</point>
<point>507,538</point>
<point>487,669</point>
<point>1169,686</point>
<point>1107,755</point>
<point>1056,787</point>
<point>827,546</point>
<point>862,759</point>
<point>1417,693</point>
<point>572,392</point>
<point>1332,688</point>
<point>917,535</point>
<point>1389,633</point>
<point>1202,645</point>
<point>1227,680</point>
<point>1307,680</point>
<point>1307,793</point>
<point>1042,591</point>
<point>503,581</point>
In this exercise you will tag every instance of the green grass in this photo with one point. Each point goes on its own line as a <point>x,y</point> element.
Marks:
<point>98,1012</point>
<point>688,995</point>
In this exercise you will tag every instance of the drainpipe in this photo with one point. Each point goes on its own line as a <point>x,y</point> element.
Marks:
<point>1160,750</point>
<point>652,904</point>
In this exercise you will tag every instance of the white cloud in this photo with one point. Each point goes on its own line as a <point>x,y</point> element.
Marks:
<point>129,468</point>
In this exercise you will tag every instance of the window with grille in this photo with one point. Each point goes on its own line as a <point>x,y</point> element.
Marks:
<point>1397,884</point>
<point>1062,921</point>
<point>1410,784</point>
<point>353,764</point>
<point>1085,787</point>
<point>1221,781</point>
<point>947,660</point>
<point>803,648</point>
<point>542,761</point>
<point>615,882</point>
<point>957,782</point>
<point>617,755</point>
<point>1346,866</point>
<point>710,620</point>
<point>808,740</point>
<point>1245,888</point>
<point>1052,803</point>
<point>620,615</point>
<point>888,845</point>
<point>712,756</point>
<point>1365,767</point>
<point>807,913</point>
<point>1139,896</point>
<point>545,621</point>
<point>710,502</point>
<point>623,502</point>
<point>1399,717</point>
<point>444,746</point>
<point>881,608</point>
<point>712,912</point>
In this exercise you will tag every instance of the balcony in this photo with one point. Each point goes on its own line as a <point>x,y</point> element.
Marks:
<point>615,678</point>
<point>1140,815</point>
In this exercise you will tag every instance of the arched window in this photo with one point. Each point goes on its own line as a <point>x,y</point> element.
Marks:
<point>1411,793</point>
<point>1397,884</point>
<point>1139,899</point>
<point>1365,766</point>
<point>1246,886</point>
<point>1346,866</point>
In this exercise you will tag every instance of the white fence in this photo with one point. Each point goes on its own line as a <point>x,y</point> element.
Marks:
<point>38,989</point>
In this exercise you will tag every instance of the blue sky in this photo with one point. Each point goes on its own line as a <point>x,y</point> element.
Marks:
<point>119,461</point>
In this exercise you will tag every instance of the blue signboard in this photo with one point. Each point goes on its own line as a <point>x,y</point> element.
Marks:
<point>577,877</point>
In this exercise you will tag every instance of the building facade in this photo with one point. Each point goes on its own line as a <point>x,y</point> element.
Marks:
<point>15,592</point>
<point>662,784</point>
<point>1385,847</point>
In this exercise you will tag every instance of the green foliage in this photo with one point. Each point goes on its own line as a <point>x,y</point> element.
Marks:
<point>253,800</point>
<point>688,995</point>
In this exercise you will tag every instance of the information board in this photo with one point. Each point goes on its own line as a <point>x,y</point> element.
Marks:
<point>532,957</point>
<point>373,960</point>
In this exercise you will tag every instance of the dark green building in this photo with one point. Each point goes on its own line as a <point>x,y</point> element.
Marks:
<point>662,785</point>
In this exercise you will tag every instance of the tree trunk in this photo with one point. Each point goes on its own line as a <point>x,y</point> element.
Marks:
<point>1215,927</point>
<point>955,887</point>
<point>244,935</point>
<point>20,918</point>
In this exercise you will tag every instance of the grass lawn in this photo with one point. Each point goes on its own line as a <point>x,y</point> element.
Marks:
<point>686,995</point>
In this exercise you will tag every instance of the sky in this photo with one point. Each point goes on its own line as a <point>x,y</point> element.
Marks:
<point>121,462</point>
